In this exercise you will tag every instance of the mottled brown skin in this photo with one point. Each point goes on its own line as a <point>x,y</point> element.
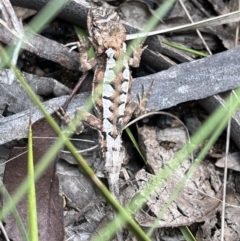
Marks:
<point>107,36</point>
<point>106,32</point>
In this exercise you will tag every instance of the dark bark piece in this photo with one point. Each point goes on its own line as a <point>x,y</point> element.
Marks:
<point>233,161</point>
<point>74,12</point>
<point>156,60</point>
<point>60,54</point>
<point>192,81</point>
<point>189,81</point>
<point>176,54</point>
<point>16,126</point>
<point>212,103</point>
<point>45,48</point>
<point>49,203</point>
<point>16,97</point>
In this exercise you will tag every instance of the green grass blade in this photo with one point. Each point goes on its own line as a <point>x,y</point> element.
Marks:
<point>185,231</point>
<point>14,211</point>
<point>134,143</point>
<point>32,203</point>
<point>193,168</point>
<point>63,139</point>
<point>83,33</point>
<point>36,25</point>
<point>160,12</point>
<point>50,154</point>
<point>45,15</point>
<point>187,234</point>
<point>216,123</point>
<point>184,48</point>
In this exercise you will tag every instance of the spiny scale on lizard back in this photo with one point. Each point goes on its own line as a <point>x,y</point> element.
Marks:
<point>108,35</point>
<point>112,82</point>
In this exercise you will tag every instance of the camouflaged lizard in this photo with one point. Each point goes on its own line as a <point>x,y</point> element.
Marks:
<point>112,82</point>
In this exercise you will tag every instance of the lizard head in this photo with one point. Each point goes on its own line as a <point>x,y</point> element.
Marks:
<point>105,29</point>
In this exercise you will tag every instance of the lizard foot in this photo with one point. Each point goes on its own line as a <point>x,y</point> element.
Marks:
<point>134,62</point>
<point>83,46</point>
<point>137,108</point>
<point>143,100</point>
<point>62,114</point>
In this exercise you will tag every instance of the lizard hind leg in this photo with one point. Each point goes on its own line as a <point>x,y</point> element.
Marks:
<point>63,115</point>
<point>143,100</point>
<point>89,119</point>
<point>138,108</point>
<point>135,60</point>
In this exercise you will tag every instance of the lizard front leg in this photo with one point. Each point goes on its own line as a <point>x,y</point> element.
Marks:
<point>89,119</point>
<point>83,46</point>
<point>137,53</point>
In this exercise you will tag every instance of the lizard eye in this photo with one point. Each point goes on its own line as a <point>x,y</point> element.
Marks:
<point>95,25</point>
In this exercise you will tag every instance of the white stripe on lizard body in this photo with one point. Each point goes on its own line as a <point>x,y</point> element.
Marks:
<point>112,109</point>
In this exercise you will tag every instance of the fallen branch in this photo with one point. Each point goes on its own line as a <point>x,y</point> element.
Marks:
<point>189,81</point>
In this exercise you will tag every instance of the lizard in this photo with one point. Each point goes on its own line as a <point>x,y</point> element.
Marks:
<point>112,83</point>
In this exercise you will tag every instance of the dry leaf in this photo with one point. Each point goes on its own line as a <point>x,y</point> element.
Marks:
<point>49,203</point>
